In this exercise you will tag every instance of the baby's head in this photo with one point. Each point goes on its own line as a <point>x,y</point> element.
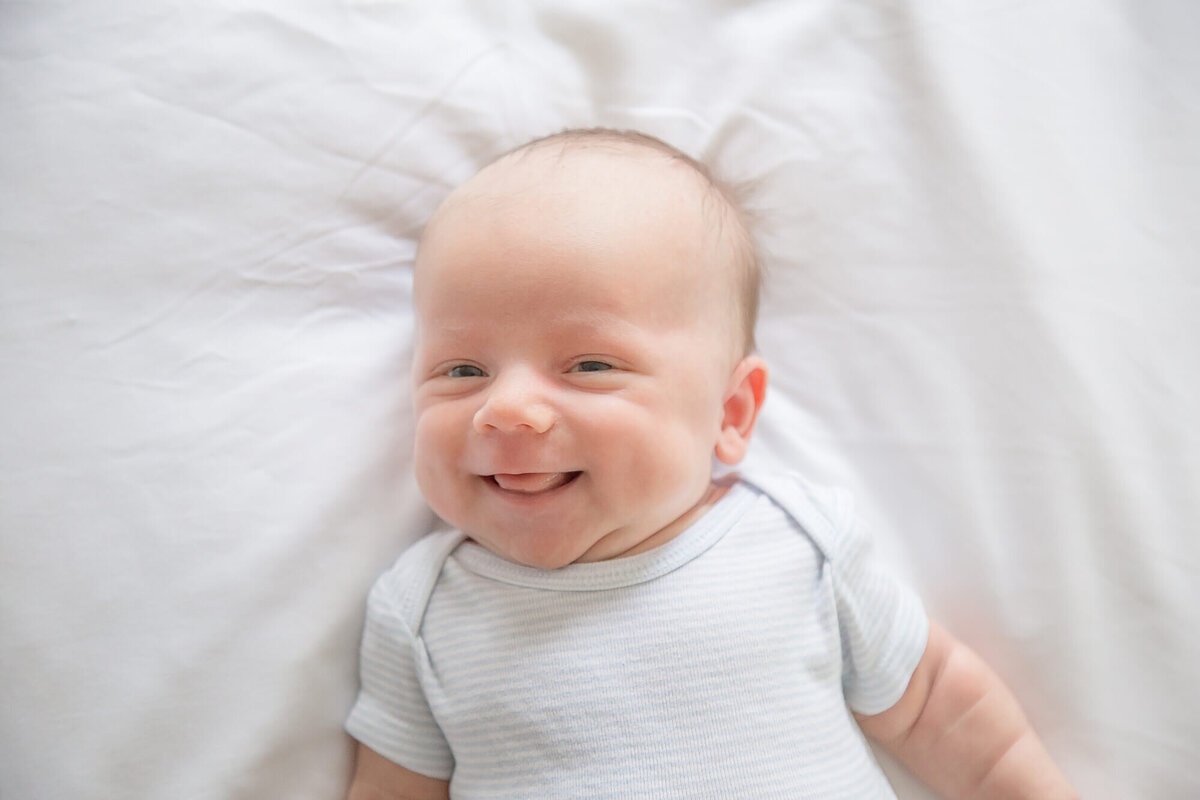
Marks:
<point>585,311</point>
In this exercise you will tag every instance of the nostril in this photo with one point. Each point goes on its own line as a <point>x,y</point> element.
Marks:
<point>539,418</point>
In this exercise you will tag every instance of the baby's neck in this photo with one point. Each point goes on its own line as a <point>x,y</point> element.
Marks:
<point>715,491</point>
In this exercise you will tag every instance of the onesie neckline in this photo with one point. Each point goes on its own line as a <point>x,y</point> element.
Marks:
<point>618,572</point>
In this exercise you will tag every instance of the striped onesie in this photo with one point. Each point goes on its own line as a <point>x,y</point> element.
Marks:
<point>721,664</point>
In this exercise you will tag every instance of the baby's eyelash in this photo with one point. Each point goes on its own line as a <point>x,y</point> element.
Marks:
<point>591,365</point>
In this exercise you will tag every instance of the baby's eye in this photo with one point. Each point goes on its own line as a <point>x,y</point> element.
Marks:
<point>465,371</point>
<point>591,366</point>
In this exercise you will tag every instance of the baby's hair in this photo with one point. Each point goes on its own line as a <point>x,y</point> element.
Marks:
<point>731,217</point>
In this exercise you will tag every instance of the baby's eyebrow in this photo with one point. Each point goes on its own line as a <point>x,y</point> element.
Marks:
<point>447,328</point>
<point>450,327</point>
<point>606,327</point>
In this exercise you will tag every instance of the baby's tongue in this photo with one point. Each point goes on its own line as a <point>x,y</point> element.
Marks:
<point>530,482</point>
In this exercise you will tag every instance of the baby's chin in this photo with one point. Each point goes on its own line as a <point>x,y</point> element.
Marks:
<point>554,556</point>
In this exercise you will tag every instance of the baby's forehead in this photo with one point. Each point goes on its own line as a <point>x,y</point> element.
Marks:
<point>599,194</point>
<point>596,192</point>
<point>613,184</point>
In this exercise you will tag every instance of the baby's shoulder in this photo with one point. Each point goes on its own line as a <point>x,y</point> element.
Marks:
<point>404,590</point>
<point>826,515</point>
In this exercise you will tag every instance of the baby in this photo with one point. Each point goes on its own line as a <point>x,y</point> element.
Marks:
<point>607,619</point>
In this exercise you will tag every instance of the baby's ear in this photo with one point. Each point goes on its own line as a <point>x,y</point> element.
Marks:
<point>743,399</point>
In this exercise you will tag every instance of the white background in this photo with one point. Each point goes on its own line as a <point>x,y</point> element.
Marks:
<point>981,224</point>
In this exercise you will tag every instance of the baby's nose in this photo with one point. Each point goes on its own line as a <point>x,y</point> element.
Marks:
<point>514,405</point>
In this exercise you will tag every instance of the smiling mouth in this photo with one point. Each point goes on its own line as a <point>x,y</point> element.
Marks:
<point>532,483</point>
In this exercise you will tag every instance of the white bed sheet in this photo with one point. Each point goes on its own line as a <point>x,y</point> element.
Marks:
<point>980,222</point>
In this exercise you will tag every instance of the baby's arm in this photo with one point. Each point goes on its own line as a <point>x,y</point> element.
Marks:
<point>960,729</point>
<point>377,778</point>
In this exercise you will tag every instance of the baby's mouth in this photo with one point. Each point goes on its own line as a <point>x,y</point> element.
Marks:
<point>532,482</point>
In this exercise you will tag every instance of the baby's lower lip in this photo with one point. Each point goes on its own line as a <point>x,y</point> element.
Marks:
<point>532,482</point>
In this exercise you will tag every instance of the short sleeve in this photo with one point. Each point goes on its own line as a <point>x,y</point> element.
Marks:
<point>883,624</point>
<point>392,715</point>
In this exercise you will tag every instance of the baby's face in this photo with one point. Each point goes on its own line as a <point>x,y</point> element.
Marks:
<point>574,350</point>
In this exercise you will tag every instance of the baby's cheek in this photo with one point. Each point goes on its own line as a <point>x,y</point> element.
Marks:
<point>434,453</point>
<point>653,454</point>
<point>437,429</point>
